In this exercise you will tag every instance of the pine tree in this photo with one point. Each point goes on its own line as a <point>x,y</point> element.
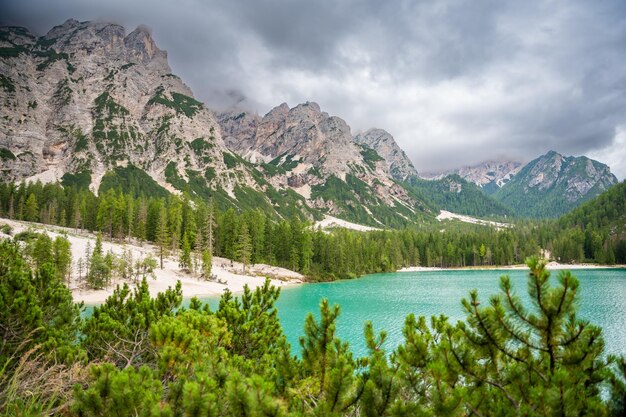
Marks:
<point>328,362</point>
<point>306,252</point>
<point>244,246</point>
<point>11,212</point>
<point>99,266</point>
<point>31,209</point>
<point>545,357</point>
<point>184,260</point>
<point>162,234</point>
<point>106,213</point>
<point>253,321</point>
<point>129,392</point>
<point>76,220</point>
<point>210,228</point>
<point>37,314</point>
<point>41,251</point>
<point>175,223</point>
<point>20,208</point>
<point>62,253</point>
<point>142,220</point>
<point>207,260</point>
<point>119,329</point>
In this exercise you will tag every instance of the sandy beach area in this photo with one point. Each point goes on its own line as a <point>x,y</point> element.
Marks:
<point>229,275</point>
<point>551,266</point>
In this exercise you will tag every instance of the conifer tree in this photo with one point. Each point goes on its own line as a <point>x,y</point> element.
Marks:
<point>62,253</point>
<point>554,356</point>
<point>244,246</point>
<point>42,251</point>
<point>99,267</point>
<point>306,252</point>
<point>184,260</point>
<point>328,362</point>
<point>76,222</point>
<point>210,227</point>
<point>118,330</point>
<point>31,208</point>
<point>11,212</point>
<point>162,234</point>
<point>129,392</point>
<point>142,220</point>
<point>207,260</point>
<point>36,312</point>
<point>175,223</point>
<point>253,321</point>
<point>20,208</point>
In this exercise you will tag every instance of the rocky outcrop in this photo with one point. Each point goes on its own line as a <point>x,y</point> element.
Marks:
<point>488,175</point>
<point>553,184</point>
<point>398,163</point>
<point>87,96</point>
<point>307,149</point>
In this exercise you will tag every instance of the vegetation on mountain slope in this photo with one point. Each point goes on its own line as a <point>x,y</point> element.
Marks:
<point>453,193</point>
<point>595,231</point>
<point>552,185</point>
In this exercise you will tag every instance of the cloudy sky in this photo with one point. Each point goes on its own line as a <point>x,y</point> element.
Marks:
<point>454,81</point>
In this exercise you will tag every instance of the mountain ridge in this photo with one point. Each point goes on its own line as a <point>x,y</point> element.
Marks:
<point>553,184</point>
<point>88,103</point>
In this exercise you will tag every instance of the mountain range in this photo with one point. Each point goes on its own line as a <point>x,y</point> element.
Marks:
<point>89,105</point>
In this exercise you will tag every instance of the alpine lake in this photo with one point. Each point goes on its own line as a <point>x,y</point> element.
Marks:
<point>386,300</point>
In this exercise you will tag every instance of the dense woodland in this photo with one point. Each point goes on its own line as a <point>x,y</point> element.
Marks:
<point>142,356</point>
<point>593,233</point>
<point>137,355</point>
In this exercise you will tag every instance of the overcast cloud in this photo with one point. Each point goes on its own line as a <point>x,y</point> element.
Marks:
<point>455,82</point>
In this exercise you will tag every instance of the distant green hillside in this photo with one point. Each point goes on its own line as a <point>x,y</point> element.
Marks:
<point>595,231</point>
<point>606,212</point>
<point>457,195</point>
<point>552,184</point>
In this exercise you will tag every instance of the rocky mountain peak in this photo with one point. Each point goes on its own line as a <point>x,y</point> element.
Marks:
<point>552,184</point>
<point>100,42</point>
<point>87,97</point>
<point>278,113</point>
<point>69,26</point>
<point>305,113</point>
<point>398,163</point>
<point>314,153</point>
<point>16,35</point>
<point>489,175</point>
<point>140,41</point>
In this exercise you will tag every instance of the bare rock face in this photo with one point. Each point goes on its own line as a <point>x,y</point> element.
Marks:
<point>239,131</point>
<point>552,184</point>
<point>398,163</point>
<point>489,175</point>
<point>89,97</point>
<point>314,153</point>
<point>575,175</point>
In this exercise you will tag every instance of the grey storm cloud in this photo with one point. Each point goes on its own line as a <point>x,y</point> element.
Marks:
<point>455,81</point>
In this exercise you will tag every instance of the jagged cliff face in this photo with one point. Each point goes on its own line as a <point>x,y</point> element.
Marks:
<point>554,184</point>
<point>314,153</point>
<point>89,97</point>
<point>488,175</point>
<point>398,163</point>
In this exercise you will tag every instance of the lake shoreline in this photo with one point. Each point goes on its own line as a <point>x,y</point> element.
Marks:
<point>555,266</point>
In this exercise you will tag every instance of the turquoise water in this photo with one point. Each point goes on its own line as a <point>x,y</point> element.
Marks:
<point>386,299</point>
